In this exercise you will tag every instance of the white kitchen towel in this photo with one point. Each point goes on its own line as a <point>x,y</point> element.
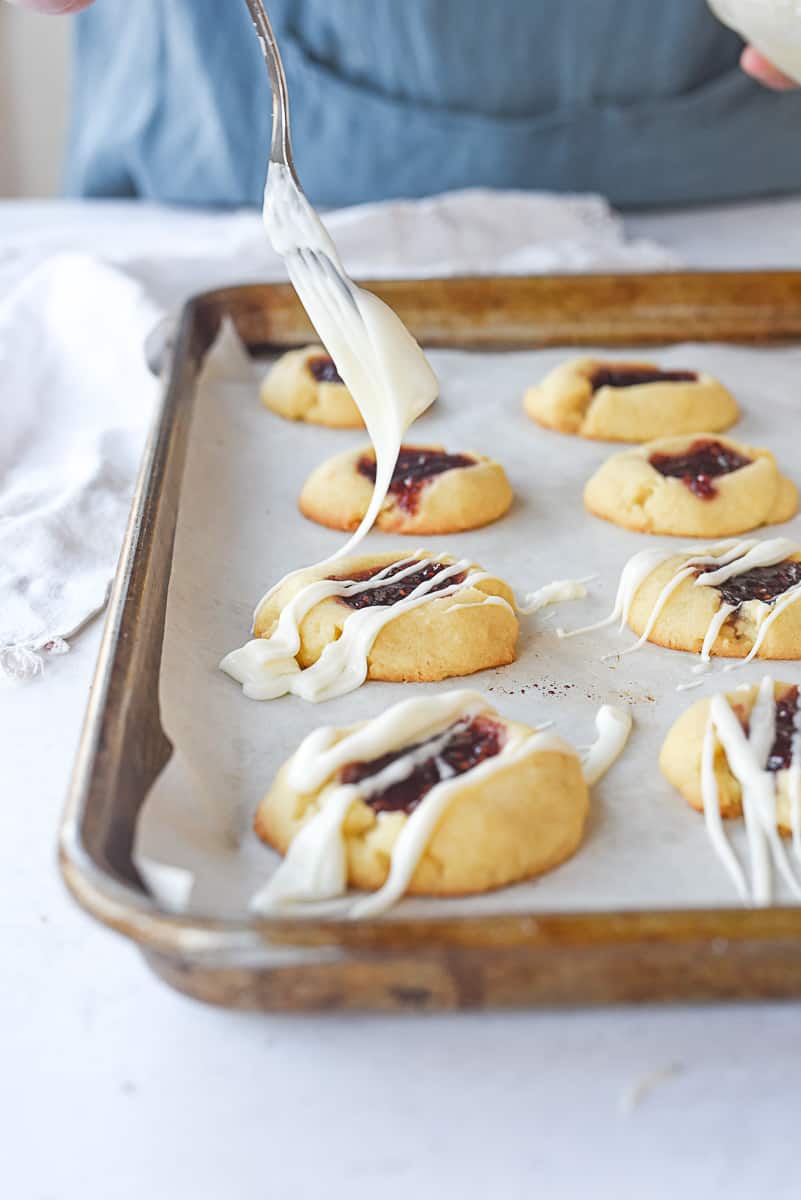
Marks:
<point>174,251</point>
<point>77,397</point>
<point>77,393</point>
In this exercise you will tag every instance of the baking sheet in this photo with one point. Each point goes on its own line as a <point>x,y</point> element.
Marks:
<point>239,530</point>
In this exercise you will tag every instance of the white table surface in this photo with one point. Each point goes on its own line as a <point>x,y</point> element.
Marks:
<point>112,1086</point>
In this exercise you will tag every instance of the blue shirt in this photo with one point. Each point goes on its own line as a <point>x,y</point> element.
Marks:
<point>642,100</point>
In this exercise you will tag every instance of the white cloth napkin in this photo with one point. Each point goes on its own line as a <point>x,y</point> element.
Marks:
<point>77,400</point>
<point>174,252</point>
<point>77,392</point>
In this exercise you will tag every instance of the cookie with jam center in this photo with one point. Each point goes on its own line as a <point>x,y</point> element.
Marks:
<point>470,626</point>
<point>704,485</point>
<point>432,491</point>
<point>681,754</point>
<point>303,385</point>
<point>629,401</point>
<point>751,597</point>
<point>523,818</point>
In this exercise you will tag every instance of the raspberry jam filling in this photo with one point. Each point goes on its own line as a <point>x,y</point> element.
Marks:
<point>621,376</point>
<point>415,467</point>
<point>785,729</point>
<point>781,752</point>
<point>388,592</point>
<point>323,370</point>
<point>469,743</point>
<point>762,583</point>
<point>704,461</point>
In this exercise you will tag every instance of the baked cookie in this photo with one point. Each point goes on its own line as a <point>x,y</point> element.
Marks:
<point>432,491</point>
<point>439,622</point>
<point>324,630</point>
<point>733,599</point>
<point>699,486</point>
<point>629,401</point>
<point>682,753</point>
<point>438,795</point>
<point>303,385</point>
<point>729,600</point>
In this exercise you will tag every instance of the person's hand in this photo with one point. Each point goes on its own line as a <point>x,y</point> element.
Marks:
<point>759,68</point>
<point>53,6</point>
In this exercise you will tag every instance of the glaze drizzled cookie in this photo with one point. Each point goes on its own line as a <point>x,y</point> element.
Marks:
<point>438,795</point>
<point>731,602</point>
<point>629,401</point>
<point>701,486</point>
<point>303,385</point>
<point>681,756</point>
<point>732,599</point>
<point>322,631</point>
<point>739,755</point>
<point>432,491</point>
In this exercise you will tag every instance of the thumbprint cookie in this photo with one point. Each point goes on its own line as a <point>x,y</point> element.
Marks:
<point>700,486</point>
<point>322,631</point>
<point>739,755</point>
<point>629,401</point>
<point>731,599</point>
<point>681,757</point>
<point>432,491</point>
<point>303,385</point>
<point>438,795</point>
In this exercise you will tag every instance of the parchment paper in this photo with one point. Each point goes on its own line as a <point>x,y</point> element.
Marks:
<point>239,530</point>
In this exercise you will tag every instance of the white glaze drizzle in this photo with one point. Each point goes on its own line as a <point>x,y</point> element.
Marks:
<point>320,755</point>
<point>768,615</point>
<point>376,357</point>
<point>391,383</point>
<point>315,869</point>
<point>728,559</point>
<point>704,663</point>
<point>661,600</point>
<point>557,592</point>
<point>712,816</point>
<point>747,757</point>
<point>750,755</point>
<point>633,575</point>
<point>713,631</point>
<point>266,666</point>
<point>794,792</point>
<point>613,726</point>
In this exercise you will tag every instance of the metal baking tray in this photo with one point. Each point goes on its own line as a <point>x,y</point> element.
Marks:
<point>550,959</point>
